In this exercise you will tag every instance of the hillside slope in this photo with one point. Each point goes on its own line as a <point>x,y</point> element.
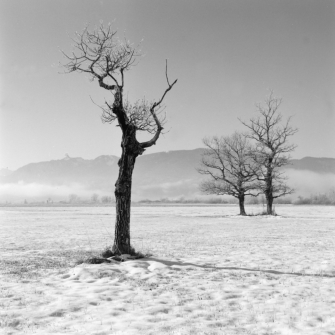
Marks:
<point>157,175</point>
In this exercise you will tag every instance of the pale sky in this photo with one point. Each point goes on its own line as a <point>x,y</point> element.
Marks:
<point>226,54</point>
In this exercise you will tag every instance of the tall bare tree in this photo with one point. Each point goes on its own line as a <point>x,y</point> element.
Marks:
<point>106,59</point>
<point>228,163</point>
<point>271,136</point>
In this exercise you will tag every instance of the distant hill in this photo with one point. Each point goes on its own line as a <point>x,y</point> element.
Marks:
<point>157,175</point>
<point>91,173</point>
<point>163,174</point>
<point>167,167</point>
<point>152,168</point>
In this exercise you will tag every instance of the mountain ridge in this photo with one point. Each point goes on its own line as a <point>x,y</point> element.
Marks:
<point>156,175</point>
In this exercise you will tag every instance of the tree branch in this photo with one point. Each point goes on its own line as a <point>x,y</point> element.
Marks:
<point>153,113</point>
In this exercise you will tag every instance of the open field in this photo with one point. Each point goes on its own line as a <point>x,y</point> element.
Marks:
<point>211,271</point>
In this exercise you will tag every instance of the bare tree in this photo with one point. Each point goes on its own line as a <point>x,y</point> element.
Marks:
<point>106,58</point>
<point>271,136</point>
<point>227,162</point>
<point>95,198</point>
<point>73,198</point>
<point>106,199</point>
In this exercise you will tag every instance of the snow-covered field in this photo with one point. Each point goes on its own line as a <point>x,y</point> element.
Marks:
<point>211,272</point>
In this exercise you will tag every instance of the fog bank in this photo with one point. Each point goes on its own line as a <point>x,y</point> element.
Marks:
<point>305,183</point>
<point>308,183</point>
<point>19,192</point>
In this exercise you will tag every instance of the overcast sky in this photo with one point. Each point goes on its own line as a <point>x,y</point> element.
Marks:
<point>227,55</point>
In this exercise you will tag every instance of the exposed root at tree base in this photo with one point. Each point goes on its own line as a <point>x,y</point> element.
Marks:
<point>108,255</point>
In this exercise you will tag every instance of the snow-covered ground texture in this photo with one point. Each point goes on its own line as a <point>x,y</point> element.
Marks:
<point>211,272</point>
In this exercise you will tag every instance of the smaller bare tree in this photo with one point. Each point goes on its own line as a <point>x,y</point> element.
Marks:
<point>227,162</point>
<point>271,152</point>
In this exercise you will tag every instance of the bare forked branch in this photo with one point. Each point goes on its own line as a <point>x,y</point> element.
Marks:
<point>156,104</point>
<point>153,112</point>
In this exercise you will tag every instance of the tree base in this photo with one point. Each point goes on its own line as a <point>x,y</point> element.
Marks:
<point>114,251</point>
<point>125,249</point>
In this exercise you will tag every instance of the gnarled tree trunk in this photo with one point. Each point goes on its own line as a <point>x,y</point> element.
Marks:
<point>130,150</point>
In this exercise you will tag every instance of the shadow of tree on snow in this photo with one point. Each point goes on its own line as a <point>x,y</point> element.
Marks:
<point>210,266</point>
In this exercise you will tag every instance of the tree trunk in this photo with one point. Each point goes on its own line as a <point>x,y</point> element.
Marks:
<point>269,203</point>
<point>269,187</point>
<point>241,204</point>
<point>123,201</point>
<point>130,150</point>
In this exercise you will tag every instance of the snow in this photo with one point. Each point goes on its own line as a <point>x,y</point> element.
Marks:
<point>211,272</point>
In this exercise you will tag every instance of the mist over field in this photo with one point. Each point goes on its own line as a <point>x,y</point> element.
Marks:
<point>305,183</point>
<point>18,192</point>
<point>41,192</point>
<point>308,183</point>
